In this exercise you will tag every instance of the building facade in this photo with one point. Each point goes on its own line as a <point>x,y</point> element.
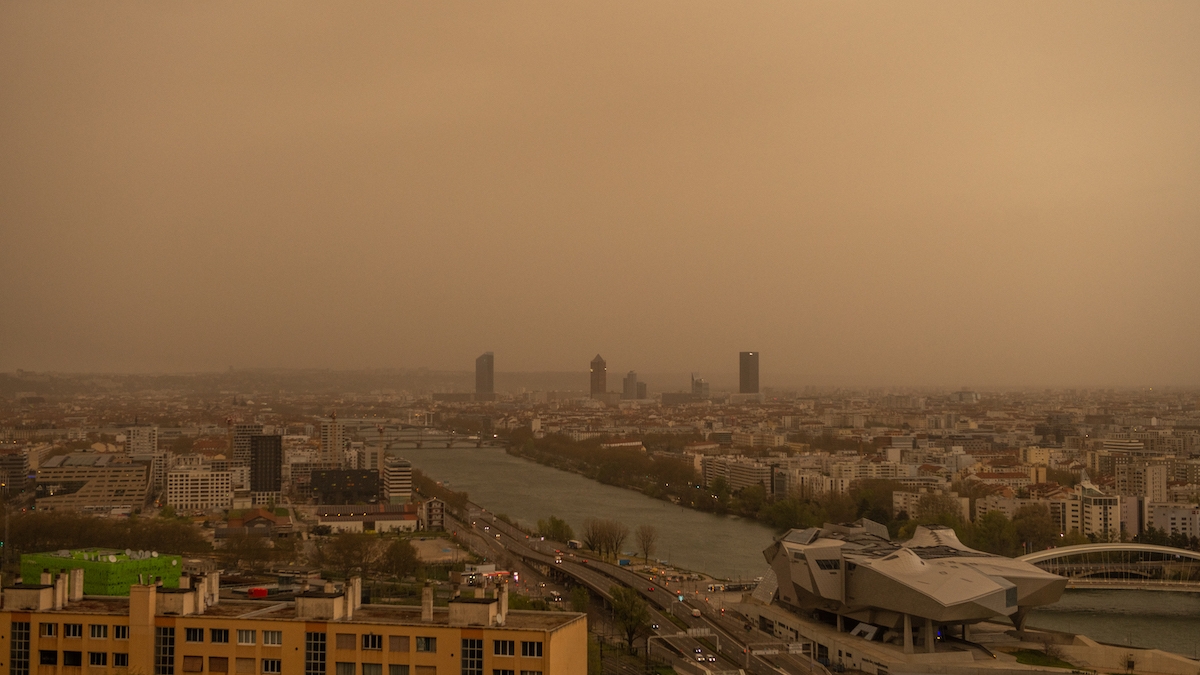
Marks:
<point>599,377</point>
<point>748,373</point>
<point>485,377</point>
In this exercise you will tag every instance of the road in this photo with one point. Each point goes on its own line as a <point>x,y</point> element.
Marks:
<point>730,633</point>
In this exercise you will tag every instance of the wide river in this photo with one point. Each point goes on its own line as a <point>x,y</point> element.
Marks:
<point>731,547</point>
<point>722,546</point>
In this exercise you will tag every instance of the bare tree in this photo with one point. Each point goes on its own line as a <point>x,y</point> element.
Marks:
<point>647,537</point>
<point>620,532</point>
<point>592,534</point>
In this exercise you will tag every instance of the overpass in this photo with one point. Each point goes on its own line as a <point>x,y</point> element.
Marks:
<point>1122,566</point>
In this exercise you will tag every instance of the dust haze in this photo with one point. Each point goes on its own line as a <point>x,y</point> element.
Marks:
<point>918,193</point>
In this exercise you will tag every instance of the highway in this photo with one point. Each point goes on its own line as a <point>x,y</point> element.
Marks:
<point>729,632</point>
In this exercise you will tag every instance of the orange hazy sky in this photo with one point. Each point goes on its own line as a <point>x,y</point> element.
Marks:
<point>887,193</point>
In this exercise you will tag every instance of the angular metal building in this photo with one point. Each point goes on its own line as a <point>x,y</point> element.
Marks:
<point>858,578</point>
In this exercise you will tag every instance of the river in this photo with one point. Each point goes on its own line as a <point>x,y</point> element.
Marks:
<point>1154,619</point>
<point>731,547</point>
<point>723,546</point>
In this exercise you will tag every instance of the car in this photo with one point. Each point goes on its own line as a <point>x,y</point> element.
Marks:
<point>711,658</point>
<point>654,626</point>
<point>497,536</point>
<point>651,589</point>
<point>698,650</point>
<point>700,658</point>
<point>583,561</point>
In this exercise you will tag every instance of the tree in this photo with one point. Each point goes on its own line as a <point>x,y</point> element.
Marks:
<point>647,536</point>
<point>1035,528</point>
<point>940,509</point>
<point>580,599</point>
<point>629,612</point>
<point>246,551</point>
<point>994,533</point>
<point>399,559</point>
<point>349,552</point>
<point>556,529</point>
<point>619,533</point>
<point>591,533</point>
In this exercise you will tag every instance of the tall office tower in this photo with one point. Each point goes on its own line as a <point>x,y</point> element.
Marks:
<point>599,376</point>
<point>333,441</point>
<point>140,440</point>
<point>629,387</point>
<point>241,440</point>
<point>397,480</point>
<point>700,387</point>
<point>266,468</point>
<point>641,391</point>
<point>485,377</point>
<point>748,373</point>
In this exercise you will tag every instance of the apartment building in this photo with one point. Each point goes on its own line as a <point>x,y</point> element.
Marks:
<point>91,482</point>
<point>199,488</point>
<point>53,627</point>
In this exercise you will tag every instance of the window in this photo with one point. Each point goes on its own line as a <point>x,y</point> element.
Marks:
<point>397,643</point>
<point>193,664</point>
<point>503,648</point>
<point>372,669</point>
<point>97,658</point>
<point>120,660</point>
<point>244,665</point>
<point>314,654</point>
<point>273,638</point>
<point>98,631</point>
<point>48,657</point>
<point>246,637</point>
<point>120,632</point>
<point>397,669</point>
<point>48,630</point>
<point>218,664</point>
<point>72,658</point>
<point>531,649</point>
<point>18,656</point>
<point>472,656</point>
<point>164,651</point>
<point>429,644</point>
<point>372,641</point>
<point>193,634</point>
<point>344,641</point>
<point>345,668</point>
<point>502,671</point>
<point>829,565</point>
<point>424,670</point>
<point>73,630</point>
<point>272,666</point>
<point>531,672</point>
<point>219,635</point>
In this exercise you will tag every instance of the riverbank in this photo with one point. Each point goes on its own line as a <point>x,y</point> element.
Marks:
<point>725,547</point>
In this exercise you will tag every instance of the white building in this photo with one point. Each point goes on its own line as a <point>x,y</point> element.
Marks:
<point>199,488</point>
<point>397,480</point>
<point>1175,518</point>
<point>139,440</point>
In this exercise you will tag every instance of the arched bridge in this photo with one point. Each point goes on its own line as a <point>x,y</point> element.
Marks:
<point>1122,566</point>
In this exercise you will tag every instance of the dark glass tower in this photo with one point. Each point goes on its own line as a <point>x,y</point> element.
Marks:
<point>266,463</point>
<point>485,377</point>
<point>599,376</point>
<point>748,373</point>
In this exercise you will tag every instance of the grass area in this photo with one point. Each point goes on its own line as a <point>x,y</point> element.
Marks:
<point>1033,657</point>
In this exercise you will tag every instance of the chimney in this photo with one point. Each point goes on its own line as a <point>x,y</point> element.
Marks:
<point>328,588</point>
<point>427,603</point>
<point>47,578</point>
<point>60,591</point>
<point>503,616</point>
<point>76,584</point>
<point>213,581</point>
<point>185,581</point>
<point>358,592</point>
<point>304,585</point>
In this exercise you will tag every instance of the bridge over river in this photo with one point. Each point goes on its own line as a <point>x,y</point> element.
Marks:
<point>1122,566</point>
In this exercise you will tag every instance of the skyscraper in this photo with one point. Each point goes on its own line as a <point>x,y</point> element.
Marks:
<point>629,387</point>
<point>599,376</point>
<point>266,468</point>
<point>485,377</point>
<point>748,373</point>
<point>241,441</point>
<point>397,480</point>
<point>333,441</point>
